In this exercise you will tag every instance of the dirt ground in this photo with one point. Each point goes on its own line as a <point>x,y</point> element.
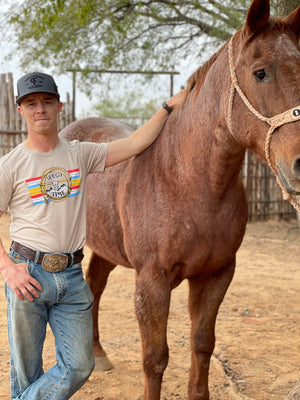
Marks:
<point>258,339</point>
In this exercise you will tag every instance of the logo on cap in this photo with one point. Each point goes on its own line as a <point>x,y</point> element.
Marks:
<point>34,81</point>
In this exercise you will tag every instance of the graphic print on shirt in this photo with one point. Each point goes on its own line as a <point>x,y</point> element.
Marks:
<point>56,184</point>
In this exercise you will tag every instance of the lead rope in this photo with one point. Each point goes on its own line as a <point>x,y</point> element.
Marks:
<point>288,116</point>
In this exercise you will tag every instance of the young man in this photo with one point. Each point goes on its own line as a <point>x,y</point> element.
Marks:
<point>43,184</point>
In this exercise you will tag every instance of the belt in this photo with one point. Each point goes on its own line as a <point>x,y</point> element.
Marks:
<point>52,262</point>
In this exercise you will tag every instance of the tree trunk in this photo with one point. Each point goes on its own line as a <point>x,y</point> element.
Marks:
<point>285,7</point>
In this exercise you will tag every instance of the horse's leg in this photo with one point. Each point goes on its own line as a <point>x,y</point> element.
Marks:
<point>96,275</point>
<point>152,301</point>
<point>205,297</point>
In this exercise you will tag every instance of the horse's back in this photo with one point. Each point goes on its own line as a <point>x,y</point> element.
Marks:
<point>96,129</point>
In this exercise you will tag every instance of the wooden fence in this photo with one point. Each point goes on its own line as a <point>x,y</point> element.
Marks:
<point>263,193</point>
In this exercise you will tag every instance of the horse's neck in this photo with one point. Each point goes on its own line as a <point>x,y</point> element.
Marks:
<point>198,135</point>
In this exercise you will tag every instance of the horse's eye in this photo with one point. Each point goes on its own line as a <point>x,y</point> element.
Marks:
<point>261,75</point>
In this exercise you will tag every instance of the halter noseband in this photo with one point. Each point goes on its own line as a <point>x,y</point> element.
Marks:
<point>275,122</point>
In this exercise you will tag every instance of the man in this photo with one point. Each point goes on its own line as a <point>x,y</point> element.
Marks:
<point>43,184</point>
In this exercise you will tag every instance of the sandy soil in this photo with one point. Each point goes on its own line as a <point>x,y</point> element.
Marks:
<point>258,341</point>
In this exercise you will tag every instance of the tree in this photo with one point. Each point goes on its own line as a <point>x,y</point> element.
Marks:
<point>122,33</point>
<point>125,34</point>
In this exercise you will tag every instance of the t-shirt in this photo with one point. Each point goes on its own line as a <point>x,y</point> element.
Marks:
<point>46,193</point>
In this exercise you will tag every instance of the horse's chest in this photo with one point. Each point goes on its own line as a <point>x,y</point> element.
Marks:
<point>189,244</point>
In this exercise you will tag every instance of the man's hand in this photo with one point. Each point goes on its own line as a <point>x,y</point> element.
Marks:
<point>20,281</point>
<point>17,276</point>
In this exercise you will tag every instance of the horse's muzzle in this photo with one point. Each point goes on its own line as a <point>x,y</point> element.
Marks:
<point>296,167</point>
<point>291,182</point>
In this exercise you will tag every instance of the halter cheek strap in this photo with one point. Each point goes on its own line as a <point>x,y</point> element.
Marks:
<point>275,122</point>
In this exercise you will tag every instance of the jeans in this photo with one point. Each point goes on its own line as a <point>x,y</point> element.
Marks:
<point>65,302</point>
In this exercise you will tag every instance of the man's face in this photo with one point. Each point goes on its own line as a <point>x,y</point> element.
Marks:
<point>40,111</point>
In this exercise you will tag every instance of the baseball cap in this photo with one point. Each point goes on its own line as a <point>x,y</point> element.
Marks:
<point>35,82</point>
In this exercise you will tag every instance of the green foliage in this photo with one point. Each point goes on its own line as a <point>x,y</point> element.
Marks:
<point>121,33</point>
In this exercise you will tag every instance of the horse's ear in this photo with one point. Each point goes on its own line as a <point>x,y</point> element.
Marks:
<point>293,21</point>
<point>258,16</point>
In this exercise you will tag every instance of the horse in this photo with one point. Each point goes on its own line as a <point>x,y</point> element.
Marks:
<point>178,211</point>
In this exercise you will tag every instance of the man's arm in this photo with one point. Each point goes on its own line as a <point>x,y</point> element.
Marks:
<point>142,138</point>
<point>17,276</point>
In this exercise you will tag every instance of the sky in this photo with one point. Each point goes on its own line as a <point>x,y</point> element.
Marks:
<point>84,104</point>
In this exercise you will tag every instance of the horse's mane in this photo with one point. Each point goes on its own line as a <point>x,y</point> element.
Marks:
<point>197,78</point>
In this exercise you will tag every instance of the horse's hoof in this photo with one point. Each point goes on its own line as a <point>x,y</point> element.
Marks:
<point>103,364</point>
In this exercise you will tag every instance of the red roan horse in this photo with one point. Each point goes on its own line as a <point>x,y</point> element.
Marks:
<point>178,210</point>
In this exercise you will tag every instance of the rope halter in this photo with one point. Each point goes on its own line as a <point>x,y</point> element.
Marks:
<point>275,122</point>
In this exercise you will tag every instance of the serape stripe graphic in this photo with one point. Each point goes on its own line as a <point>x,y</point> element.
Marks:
<point>75,181</point>
<point>38,197</point>
<point>35,192</point>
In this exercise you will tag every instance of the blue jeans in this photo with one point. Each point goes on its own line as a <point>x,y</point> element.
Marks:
<point>65,302</point>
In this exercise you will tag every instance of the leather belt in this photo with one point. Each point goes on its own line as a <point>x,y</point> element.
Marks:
<point>52,262</point>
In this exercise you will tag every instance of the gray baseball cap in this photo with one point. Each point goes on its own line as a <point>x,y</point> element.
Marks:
<point>36,82</point>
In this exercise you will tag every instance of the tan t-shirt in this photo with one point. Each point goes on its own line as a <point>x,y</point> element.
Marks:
<point>46,193</point>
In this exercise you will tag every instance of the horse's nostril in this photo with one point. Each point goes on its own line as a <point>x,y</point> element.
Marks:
<point>296,167</point>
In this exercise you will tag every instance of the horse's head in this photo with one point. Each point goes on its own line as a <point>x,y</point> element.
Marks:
<point>265,70</point>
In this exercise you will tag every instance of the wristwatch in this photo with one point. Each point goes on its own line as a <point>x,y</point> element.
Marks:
<point>166,107</point>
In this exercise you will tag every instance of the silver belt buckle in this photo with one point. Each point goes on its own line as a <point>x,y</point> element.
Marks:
<point>54,262</point>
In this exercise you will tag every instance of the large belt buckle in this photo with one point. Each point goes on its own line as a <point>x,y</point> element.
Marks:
<point>54,262</point>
